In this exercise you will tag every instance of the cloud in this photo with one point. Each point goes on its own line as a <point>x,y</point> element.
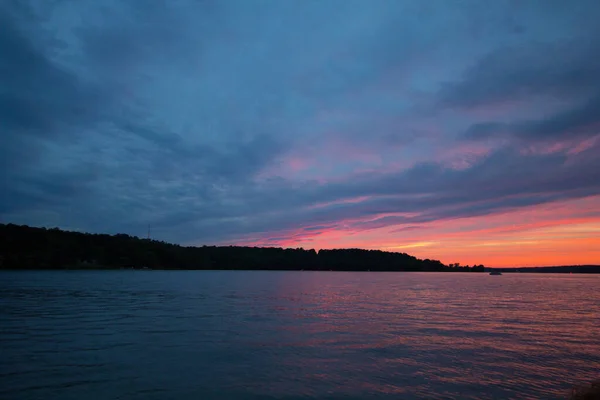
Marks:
<point>543,90</point>
<point>567,68</point>
<point>580,121</point>
<point>72,137</point>
<point>549,90</point>
<point>38,100</point>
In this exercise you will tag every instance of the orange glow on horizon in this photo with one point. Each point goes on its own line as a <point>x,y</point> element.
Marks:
<point>564,233</point>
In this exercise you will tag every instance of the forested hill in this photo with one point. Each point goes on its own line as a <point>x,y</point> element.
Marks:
<point>23,247</point>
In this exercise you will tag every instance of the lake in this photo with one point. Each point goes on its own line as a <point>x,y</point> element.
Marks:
<point>296,335</point>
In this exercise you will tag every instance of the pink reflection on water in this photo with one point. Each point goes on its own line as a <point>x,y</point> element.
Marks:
<point>531,335</point>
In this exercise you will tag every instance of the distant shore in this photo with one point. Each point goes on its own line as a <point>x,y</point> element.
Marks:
<point>561,269</point>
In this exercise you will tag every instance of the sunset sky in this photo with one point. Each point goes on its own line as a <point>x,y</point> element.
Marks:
<point>461,130</point>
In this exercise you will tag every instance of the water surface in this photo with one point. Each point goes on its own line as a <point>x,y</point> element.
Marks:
<point>295,335</point>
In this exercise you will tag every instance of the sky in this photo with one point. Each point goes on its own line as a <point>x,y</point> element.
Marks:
<point>460,130</point>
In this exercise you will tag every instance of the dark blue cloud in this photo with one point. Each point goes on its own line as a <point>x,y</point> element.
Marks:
<point>580,121</point>
<point>565,69</point>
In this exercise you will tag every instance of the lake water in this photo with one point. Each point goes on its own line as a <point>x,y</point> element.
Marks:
<point>296,335</point>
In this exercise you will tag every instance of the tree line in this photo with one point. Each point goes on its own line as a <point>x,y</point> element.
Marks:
<point>24,247</point>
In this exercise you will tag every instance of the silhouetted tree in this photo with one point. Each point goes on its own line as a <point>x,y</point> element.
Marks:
<point>23,247</point>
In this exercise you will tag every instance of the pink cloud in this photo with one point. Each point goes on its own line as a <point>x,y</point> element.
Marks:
<point>463,155</point>
<point>584,145</point>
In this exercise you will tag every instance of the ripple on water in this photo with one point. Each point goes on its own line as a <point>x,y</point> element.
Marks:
<point>288,335</point>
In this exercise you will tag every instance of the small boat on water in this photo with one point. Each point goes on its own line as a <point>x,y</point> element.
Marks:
<point>495,273</point>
